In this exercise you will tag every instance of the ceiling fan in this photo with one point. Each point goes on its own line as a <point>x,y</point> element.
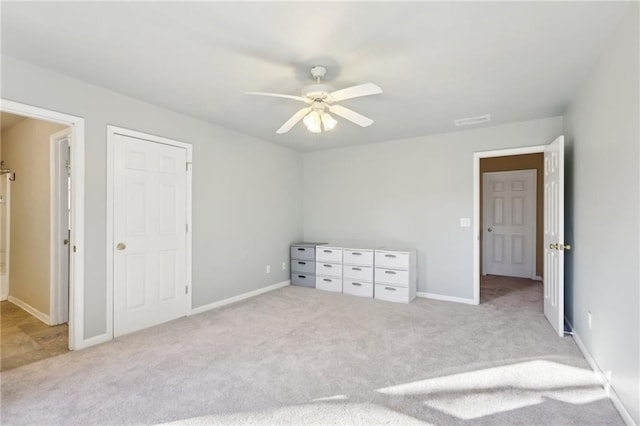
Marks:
<point>321,99</point>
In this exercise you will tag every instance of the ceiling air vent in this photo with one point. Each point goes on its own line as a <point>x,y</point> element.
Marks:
<point>472,120</point>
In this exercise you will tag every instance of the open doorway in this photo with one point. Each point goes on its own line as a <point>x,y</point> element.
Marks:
<point>35,238</point>
<point>553,244</point>
<point>75,208</point>
<point>511,213</point>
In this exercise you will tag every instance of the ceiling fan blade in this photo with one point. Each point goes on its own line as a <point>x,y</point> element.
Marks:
<point>278,95</point>
<point>355,92</point>
<point>350,115</point>
<point>293,120</point>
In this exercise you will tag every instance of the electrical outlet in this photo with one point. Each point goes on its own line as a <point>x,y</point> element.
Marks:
<point>465,222</point>
<point>589,319</point>
<point>268,269</point>
<point>284,266</point>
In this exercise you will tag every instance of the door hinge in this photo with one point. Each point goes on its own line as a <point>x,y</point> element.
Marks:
<point>74,249</point>
<point>186,289</point>
<point>187,165</point>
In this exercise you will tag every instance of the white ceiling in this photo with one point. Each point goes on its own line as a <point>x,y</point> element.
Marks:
<point>436,62</point>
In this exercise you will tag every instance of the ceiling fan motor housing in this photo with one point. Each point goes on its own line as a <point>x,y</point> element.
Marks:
<point>317,91</point>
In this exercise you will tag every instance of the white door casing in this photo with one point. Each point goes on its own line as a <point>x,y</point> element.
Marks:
<point>77,205</point>
<point>150,277</point>
<point>553,279</point>
<point>509,217</point>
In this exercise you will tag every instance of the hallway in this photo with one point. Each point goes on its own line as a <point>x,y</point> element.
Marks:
<point>25,339</point>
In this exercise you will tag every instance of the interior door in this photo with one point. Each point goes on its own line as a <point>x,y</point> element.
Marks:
<point>509,216</point>
<point>150,208</point>
<point>64,192</point>
<point>554,247</point>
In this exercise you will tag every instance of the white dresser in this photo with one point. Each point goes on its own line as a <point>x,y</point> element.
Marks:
<point>395,277</point>
<point>357,272</point>
<point>329,268</point>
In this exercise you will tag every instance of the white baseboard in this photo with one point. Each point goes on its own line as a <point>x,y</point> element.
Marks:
<point>602,378</point>
<point>537,278</point>
<point>435,296</point>
<point>238,298</point>
<point>33,311</point>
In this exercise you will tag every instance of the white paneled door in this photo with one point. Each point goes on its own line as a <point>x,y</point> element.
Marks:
<point>554,246</point>
<point>149,233</point>
<point>509,217</point>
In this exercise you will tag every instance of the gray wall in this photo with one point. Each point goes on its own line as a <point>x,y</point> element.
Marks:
<point>603,188</point>
<point>246,192</point>
<point>411,191</point>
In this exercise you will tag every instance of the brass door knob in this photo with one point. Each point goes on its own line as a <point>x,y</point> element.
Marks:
<point>553,246</point>
<point>121,246</point>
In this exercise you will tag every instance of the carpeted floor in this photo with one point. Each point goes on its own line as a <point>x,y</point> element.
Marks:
<point>304,356</point>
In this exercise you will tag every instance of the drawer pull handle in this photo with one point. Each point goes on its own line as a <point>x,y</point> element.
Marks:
<point>327,266</point>
<point>302,249</point>
<point>390,288</point>
<point>328,251</point>
<point>327,280</point>
<point>302,276</point>
<point>389,255</point>
<point>357,284</point>
<point>389,272</point>
<point>356,269</point>
<point>302,263</point>
<point>355,253</point>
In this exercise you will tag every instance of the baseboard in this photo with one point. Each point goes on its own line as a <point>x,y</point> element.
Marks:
<point>435,296</point>
<point>238,298</point>
<point>33,311</point>
<point>537,278</point>
<point>606,384</point>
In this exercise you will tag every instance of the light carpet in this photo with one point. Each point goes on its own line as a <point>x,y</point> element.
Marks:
<point>304,356</point>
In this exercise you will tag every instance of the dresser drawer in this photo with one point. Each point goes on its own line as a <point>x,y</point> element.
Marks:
<point>329,254</point>
<point>358,273</point>
<point>329,269</point>
<point>303,266</point>
<point>392,293</point>
<point>392,259</point>
<point>304,280</point>
<point>303,253</point>
<point>358,257</point>
<point>392,276</point>
<point>357,288</point>
<point>329,284</point>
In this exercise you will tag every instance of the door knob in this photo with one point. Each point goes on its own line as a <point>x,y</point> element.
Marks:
<point>121,246</point>
<point>490,230</point>
<point>566,247</point>
<point>553,246</point>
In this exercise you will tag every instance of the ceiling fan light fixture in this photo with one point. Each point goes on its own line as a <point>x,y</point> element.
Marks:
<point>328,122</point>
<point>313,122</point>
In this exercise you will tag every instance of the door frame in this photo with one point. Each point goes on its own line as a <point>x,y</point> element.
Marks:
<point>112,131</point>
<point>477,226</point>
<point>58,287</point>
<point>534,255</point>
<point>76,258</point>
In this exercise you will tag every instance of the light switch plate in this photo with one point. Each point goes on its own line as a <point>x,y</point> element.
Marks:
<point>465,222</point>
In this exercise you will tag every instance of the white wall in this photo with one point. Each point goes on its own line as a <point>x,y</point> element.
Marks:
<point>413,192</point>
<point>603,188</point>
<point>26,151</point>
<point>246,192</point>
